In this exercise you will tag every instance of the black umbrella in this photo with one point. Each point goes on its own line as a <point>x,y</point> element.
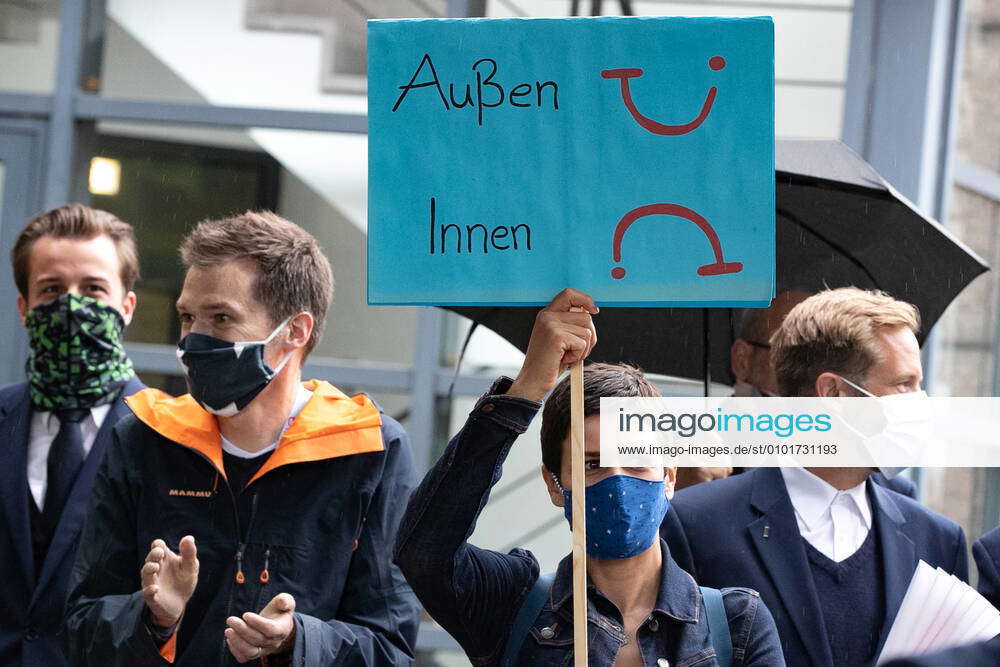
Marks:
<point>838,223</point>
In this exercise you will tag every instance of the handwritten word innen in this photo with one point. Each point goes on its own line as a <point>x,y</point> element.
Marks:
<point>501,237</point>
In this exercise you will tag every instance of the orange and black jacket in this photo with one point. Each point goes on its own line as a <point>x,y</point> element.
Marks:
<point>318,521</point>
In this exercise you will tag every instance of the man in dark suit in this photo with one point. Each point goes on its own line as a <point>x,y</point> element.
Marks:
<point>830,553</point>
<point>986,551</point>
<point>75,268</point>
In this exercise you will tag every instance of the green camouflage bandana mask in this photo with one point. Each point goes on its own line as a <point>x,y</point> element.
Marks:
<point>77,359</point>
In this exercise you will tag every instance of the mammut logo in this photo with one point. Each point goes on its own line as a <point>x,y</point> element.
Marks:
<point>190,494</point>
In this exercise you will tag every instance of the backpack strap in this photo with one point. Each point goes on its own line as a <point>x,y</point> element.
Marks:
<point>718,625</point>
<point>526,615</point>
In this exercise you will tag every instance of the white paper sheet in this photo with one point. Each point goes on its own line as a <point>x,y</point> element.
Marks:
<point>938,611</point>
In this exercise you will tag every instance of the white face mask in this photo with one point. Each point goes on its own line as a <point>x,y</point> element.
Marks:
<point>907,426</point>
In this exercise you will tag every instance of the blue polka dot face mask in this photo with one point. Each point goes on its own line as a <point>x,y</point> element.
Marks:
<point>623,515</point>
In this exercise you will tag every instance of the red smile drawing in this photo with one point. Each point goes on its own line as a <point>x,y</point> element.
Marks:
<point>626,73</point>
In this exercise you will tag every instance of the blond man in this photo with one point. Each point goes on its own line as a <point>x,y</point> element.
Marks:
<point>830,552</point>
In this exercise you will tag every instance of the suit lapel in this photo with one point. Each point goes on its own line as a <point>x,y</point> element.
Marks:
<point>775,534</point>
<point>899,554</point>
<point>15,423</point>
<point>75,513</point>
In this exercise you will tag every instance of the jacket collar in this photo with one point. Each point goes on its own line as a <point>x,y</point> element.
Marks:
<point>768,489</point>
<point>885,505</point>
<point>899,553</point>
<point>678,597</point>
<point>332,424</point>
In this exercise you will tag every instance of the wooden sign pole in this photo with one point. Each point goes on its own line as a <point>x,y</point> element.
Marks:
<point>578,476</point>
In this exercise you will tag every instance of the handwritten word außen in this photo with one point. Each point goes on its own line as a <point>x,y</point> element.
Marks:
<point>474,95</point>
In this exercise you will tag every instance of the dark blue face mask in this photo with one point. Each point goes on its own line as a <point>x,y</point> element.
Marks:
<point>225,376</point>
<point>624,514</point>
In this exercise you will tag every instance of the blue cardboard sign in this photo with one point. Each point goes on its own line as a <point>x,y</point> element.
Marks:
<point>631,158</point>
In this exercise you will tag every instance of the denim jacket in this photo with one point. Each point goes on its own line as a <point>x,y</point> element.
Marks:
<point>475,593</point>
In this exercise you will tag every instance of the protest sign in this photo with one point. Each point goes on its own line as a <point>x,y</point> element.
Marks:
<point>631,158</point>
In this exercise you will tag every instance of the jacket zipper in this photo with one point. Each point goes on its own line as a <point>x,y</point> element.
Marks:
<point>263,578</point>
<point>265,574</point>
<point>241,545</point>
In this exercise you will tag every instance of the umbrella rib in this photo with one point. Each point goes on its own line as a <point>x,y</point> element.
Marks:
<point>843,251</point>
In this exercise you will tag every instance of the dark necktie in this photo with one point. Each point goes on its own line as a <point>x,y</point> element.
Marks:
<point>66,457</point>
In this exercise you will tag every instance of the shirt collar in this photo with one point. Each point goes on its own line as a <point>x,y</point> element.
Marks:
<point>812,497</point>
<point>678,598</point>
<point>93,420</point>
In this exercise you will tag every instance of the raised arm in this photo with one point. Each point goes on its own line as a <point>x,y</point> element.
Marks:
<point>474,593</point>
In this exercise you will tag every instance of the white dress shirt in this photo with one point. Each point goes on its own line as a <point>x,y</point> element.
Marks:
<point>835,522</point>
<point>43,430</point>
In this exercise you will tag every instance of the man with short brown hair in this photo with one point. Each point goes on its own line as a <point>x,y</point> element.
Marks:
<point>830,553</point>
<point>75,268</point>
<point>252,519</point>
<point>292,270</point>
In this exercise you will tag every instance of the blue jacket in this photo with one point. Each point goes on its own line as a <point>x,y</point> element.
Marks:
<point>986,551</point>
<point>742,531</point>
<point>318,521</point>
<point>31,603</point>
<point>475,593</point>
